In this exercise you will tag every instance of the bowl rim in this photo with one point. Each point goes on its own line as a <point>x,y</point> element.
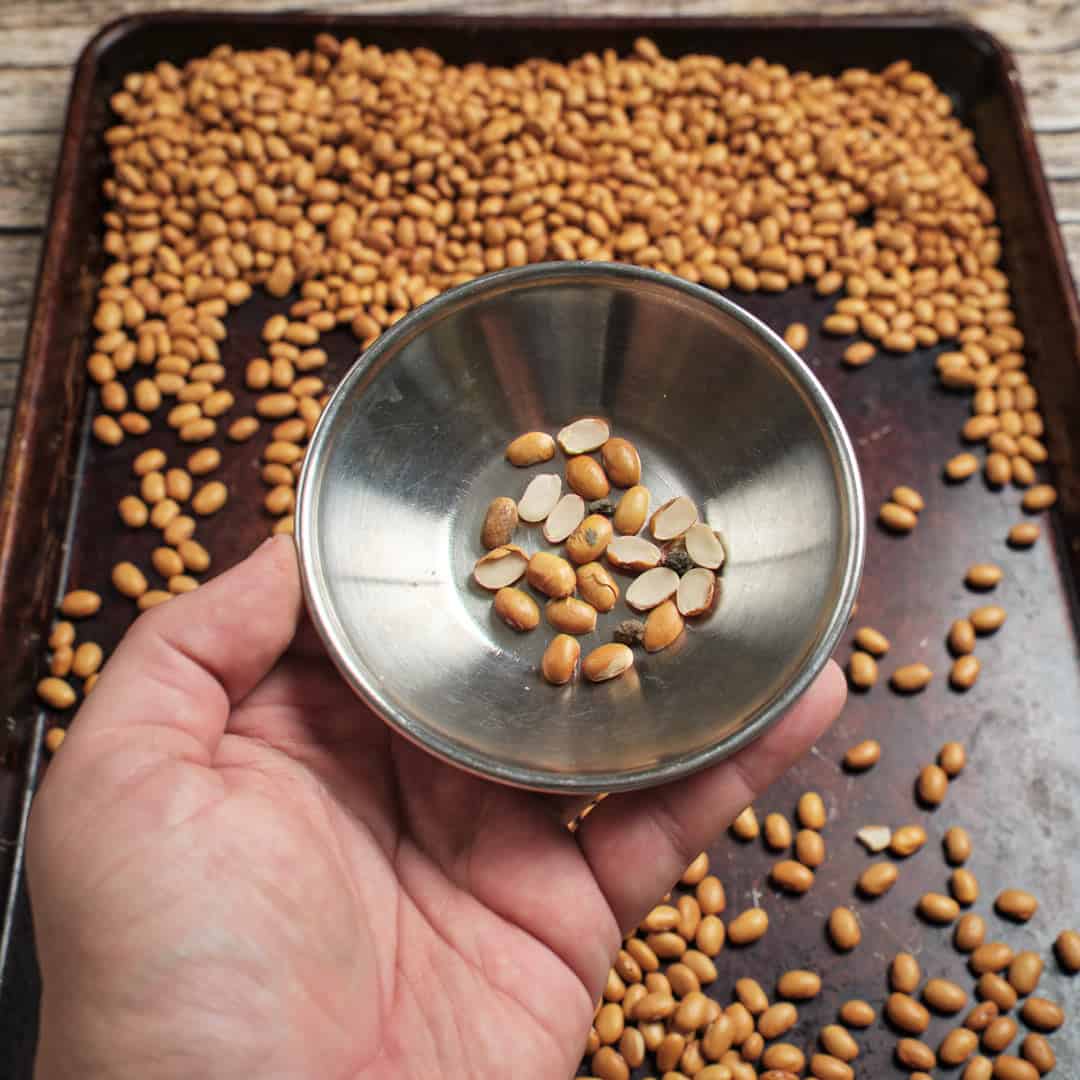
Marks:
<point>316,593</point>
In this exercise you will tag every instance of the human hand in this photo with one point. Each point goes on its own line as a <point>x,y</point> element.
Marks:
<point>237,870</point>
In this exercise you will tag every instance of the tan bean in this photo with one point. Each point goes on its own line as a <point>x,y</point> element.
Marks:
<point>872,641</point>
<point>709,937</point>
<point>1038,1051</point>
<point>585,476</point>
<point>607,662</point>
<point>182,527</point>
<point>784,1058</point>
<point>796,336</point>
<point>701,965</point>
<point>751,996</point>
<point>827,1067</point>
<point>944,996</point>
<point>908,497</point>
<point>742,1022</point>
<point>792,876</point>
<point>196,557</point>
<point>657,1005</point>
<point>897,518</point>
<point>863,755</point>
<point>242,428</point>
<point>859,354</point>
<point>983,575</point>
<point>178,485</point>
<point>844,930</point>
<point>56,693</point>
<point>1016,904</point>
<point>878,879</point>
<point>952,757</point>
<point>777,832</point>
<point>689,918</point>
<point>957,1046</point>
<point>857,1013</point>
<point>964,886</point>
<point>531,448</point>
<point>61,661</point>
<point>500,521</point>
<point>982,1016</point>
<point>1042,1014</point>
<point>748,927</point>
<point>667,945</point>
<point>811,810</point>
<point>777,1019</point>
<point>992,956</point>
<point>107,431</point>
<point>1038,498</point>
<point>54,739</point>
<point>907,840</point>
<point>961,466</point>
<point>621,463</point>
<point>915,1054</point>
<point>992,987</point>
<point>62,635</point>
<point>597,586</point>
<point>1023,534</point>
<point>80,604</point>
<point>978,1068</point>
<point>164,512</point>
<point>552,575</point>
<point>517,609</point>
<point>809,848</point>
<point>607,1063</point>
<point>961,637</point>
<point>210,498</point>
<point>1010,1067</point>
<point>697,870</point>
<point>839,1042</point>
<point>152,487</point>
<point>999,1033</point>
<point>799,985</point>
<point>632,510</point>
<point>1025,971</point>
<point>129,580</point>
<point>204,461</point>
<point>911,678</point>
<point>632,1047</point>
<point>987,619</point>
<point>133,512</point>
<point>957,845</point>
<point>87,659</point>
<point>710,895</point>
<point>745,826</point>
<point>933,784</point>
<point>1067,950</point>
<point>904,973</point>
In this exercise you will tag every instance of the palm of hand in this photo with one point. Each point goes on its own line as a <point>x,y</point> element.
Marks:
<point>247,873</point>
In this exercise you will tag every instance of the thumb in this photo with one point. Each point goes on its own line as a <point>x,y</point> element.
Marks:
<point>182,665</point>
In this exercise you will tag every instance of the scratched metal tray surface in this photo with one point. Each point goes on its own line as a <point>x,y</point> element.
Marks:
<point>1021,723</point>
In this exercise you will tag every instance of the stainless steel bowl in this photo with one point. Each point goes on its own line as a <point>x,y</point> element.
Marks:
<point>409,452</point>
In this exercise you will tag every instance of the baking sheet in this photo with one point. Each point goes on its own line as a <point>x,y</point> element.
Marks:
<point>1018,797</point>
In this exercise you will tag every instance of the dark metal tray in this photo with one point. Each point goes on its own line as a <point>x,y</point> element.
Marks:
<point>1018,797</point>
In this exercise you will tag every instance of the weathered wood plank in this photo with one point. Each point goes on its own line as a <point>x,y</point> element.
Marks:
<point>9,378</point>
<point>18,271</point>
<point>53,32</point>
<point>1060,153</point>
<point>1066,195</point>
<point>1051,83</point>
<point>27,165</point>
<point>33,99</point>
<point>1071,235</point>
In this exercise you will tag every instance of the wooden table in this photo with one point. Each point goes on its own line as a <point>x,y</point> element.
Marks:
<point>40,41</point>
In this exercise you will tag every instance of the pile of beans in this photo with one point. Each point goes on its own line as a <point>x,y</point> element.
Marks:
<point>353,184</point>
<point>677,580</point>
<point>654,1000</point>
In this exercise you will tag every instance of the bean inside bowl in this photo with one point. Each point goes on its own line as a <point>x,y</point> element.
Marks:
<point>411,450</point>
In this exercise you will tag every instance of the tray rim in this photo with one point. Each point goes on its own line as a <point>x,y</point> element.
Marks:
<point>23,459</point>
